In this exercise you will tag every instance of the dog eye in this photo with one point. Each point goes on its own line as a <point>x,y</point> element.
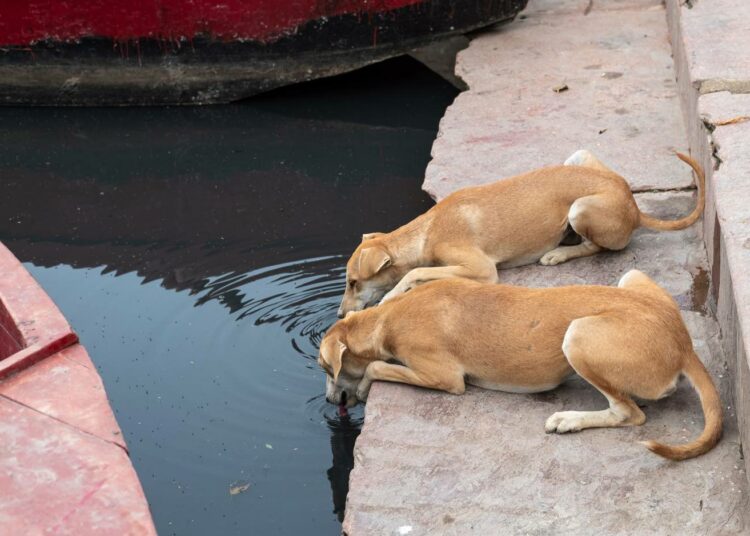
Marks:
<point>352,283</point>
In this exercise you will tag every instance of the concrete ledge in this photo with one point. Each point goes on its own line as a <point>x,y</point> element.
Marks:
<point>432,463</point>
<point>716,37</point>
<point>731,183</point>
<point>621,102</point>
<point>442,464</point>
<point>710,44</point>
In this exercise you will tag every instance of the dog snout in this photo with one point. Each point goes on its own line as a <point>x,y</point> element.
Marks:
<point>340,313</point>
<point>339,398</point>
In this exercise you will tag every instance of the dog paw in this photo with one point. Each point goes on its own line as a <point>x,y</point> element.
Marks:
<point>552,258</point>
<point>396,291</point>
<point>389,296</point>
<point>563,422</point>
<point>362,393</point>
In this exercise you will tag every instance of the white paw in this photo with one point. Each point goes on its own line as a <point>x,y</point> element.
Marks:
<point>396,291</point>
<point>563,422</point>
<point>553,257</point>
<point>389,296</point>
<point>362,392</point>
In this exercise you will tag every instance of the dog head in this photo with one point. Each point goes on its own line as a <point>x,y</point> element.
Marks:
<point>344,370</point>
<point>370,274</point>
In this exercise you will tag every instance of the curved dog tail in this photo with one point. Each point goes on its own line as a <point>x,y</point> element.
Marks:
<point>712,414</point>
<point>687,221</point>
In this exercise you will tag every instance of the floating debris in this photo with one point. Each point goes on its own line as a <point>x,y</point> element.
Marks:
<point>238,487</point>
<point>733,121</point>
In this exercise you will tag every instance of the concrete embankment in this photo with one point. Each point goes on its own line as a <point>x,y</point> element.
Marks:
<point>567,75</point>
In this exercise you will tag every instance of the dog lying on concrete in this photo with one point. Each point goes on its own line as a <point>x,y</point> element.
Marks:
<point>516,221</point>
<point>625,341</point>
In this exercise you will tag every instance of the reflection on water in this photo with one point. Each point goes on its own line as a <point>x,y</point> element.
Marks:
<point>200,255</point>
<point>344,432</point>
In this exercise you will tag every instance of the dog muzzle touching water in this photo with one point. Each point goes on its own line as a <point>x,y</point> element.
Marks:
<point>341,393</point>
<point>626,341</point>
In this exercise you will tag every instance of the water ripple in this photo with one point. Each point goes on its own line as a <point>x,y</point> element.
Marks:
<point>301,297</point>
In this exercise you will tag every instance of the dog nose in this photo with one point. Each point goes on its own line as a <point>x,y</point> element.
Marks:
<point>340,313</point>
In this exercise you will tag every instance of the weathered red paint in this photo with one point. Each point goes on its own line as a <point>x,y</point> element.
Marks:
<point>24,22</point>
<point>64,468</point>
<point>58,479</point>
<point>67,387</point>
<point>31,326</point>
<point>10,339</point>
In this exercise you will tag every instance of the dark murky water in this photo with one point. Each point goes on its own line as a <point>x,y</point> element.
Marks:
<point>199,253</point>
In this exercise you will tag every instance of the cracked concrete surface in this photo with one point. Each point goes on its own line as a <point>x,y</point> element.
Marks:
<point>433,463</point>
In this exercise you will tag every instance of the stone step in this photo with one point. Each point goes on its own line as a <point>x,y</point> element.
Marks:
<point>432,463</point>
<point>481,464</point>
<point>621,102</point>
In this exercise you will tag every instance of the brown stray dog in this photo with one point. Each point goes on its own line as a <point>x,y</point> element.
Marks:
<point>625,341</point>
<point>512,222</point>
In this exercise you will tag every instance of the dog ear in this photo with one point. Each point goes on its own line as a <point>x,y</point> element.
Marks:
<point>372,260</point>
<point>336,358</point>
<point>332,353</point>
<point>370,236</point>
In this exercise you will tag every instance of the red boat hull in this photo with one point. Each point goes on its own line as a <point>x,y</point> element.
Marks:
<point>26,23</point>
<point>57,422</point>
<point>97,52</point>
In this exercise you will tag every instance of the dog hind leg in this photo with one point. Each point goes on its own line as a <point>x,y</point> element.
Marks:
<point>604,222</point>
<point>622,411</point>
<point>584,341</point>
<point>565,253</point>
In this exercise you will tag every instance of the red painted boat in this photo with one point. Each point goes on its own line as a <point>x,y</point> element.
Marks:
<point>93,52</point>
<point>64,467</point>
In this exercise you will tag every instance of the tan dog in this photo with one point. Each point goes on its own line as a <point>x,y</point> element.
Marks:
<point>625,341</point>
<point>509,223</point>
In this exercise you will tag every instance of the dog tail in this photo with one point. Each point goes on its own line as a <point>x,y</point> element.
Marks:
<point>701,380</point>
<point>675,225</point>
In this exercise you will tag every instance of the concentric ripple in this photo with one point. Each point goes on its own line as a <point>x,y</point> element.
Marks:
<point>196,253</point>
<point>222,382</point>
<point>300,297</point>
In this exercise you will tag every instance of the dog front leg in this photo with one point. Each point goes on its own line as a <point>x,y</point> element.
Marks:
<point>408,282</point>
<point>443,378</point>
<point>466,263</point>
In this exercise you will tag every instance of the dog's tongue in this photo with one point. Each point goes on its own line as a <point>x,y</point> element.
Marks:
<point>342,411</point>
